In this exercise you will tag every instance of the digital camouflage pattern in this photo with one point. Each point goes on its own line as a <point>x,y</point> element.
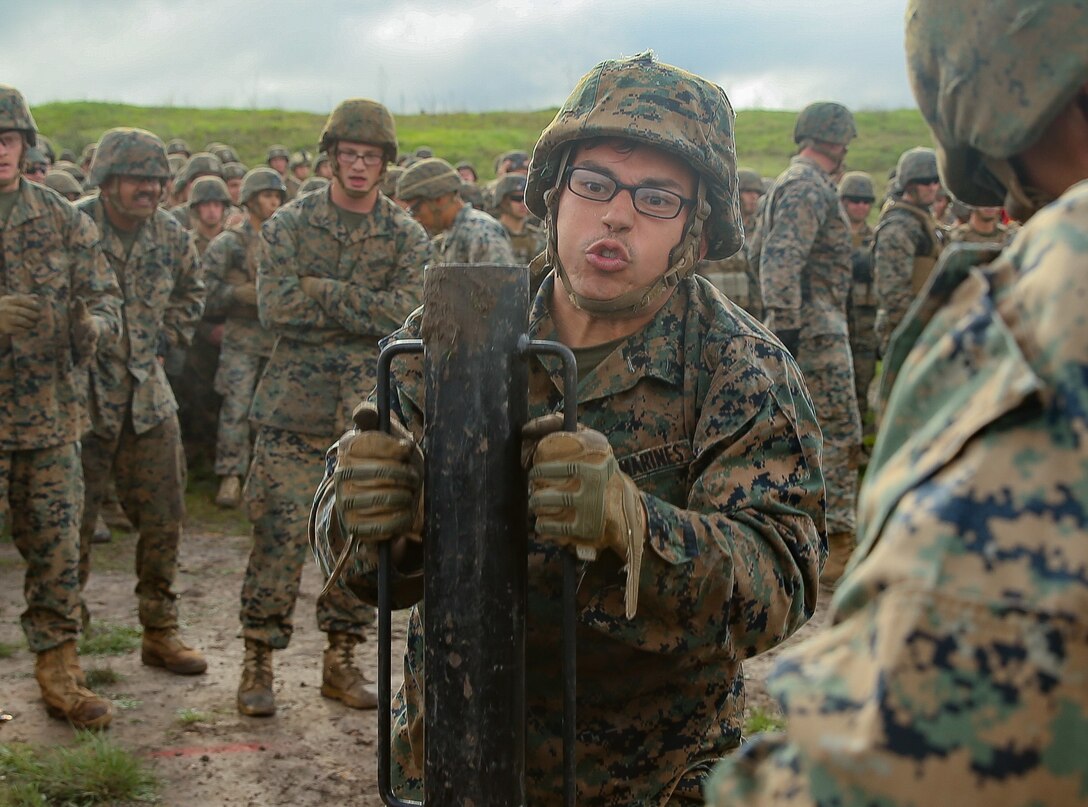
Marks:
<point>709,416</point>
<point>369,278</point>
<point>527,244</point>
<point>826,121</point>
<point>231,263</point>
<point>361,120</point>
<point>906,244</point>
<point>201,164</point>
<point>955,665</point>
<point>428,179</point>
<point>128,152</point>
<point>15,114</point>
<point>209,189</point>
<point>965,232</point>
<point>51,251</point>
<point>624,98</point>
<point>862,312</point>
<point>312,184</point>
<point>805,277</point>
<point>857,184</point>
<point>474,237</point>
<point>915,164</point>
<point>262,179</point>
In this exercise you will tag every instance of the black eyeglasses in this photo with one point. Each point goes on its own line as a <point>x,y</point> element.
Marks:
<point>347,157</point>
<point>648,200</point>
<point>928,181</point>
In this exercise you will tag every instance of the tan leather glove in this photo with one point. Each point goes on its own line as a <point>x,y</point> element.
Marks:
<point>581,498</point>
<point>378,481</point>
<point>19,313</point>
<point>84,330</point>
<point>246,293</point>
<point>310,286</point>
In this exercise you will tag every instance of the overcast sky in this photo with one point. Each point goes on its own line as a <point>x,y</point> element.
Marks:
<point>457,55</point>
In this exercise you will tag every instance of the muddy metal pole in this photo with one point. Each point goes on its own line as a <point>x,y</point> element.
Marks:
<point>476,512</point>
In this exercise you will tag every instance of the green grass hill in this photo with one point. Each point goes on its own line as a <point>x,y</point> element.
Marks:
<point>764,140</point>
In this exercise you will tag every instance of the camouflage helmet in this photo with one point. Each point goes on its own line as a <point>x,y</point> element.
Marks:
<point>389,181</point>
<point>508,184</point>
<point>278,151</point>
<point>15,114</point>
<point>234,170</point>
<point>225,154</point>
<point>45,146</point>
<point>209,189</point>
<point>640,98</point>
<point>260,179</point>
<point>35,156</point>
<point>989,79</point>
<point>826,121</point>
<point>87,155</point>
<point>66,154</point>
<point>201,163</point>
<point>70,168</point>
<point>519,160</point>
<point>361,120</point>
<point>297,159</point>
<point>128,152</point>
<point>312,184</point>
<point>428,179</point>
<point>465,164</point>
<point>915,164</point>
<point>320,157</point>
<point>749,180</point>
<point>63,183</point>
<point>857,184</point>
<point>176,161</point>
<point>178,146</point>
<point>423,152</point>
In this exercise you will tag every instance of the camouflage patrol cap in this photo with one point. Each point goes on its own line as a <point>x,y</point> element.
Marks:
<point>428,179</point>
<point>857,184</point>
<point>639,98</point>
<point>260,179</point>
<point>749,180</point>
<point>989,78</point>
<point>15,114</point>
<point>361,120</point>
<point>278,151</point>
<point>826,121</point>
<point>178,146</point>
<point>915,164</point>
<point>510,184</point>
<point>234,170</point>
<point>389,181</point>
<point>225,154</point>
<point>71,169</point>
<point>201,163</point>
<point>63,183</point>
<point>312,184</point>
<point>128,152</point>
<point>209,189</point>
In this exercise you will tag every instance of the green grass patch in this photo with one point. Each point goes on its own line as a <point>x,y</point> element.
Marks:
<point>190,717</point>
<point>126,703</point>
<point>92,772</point>
<point>102,676</point>
<point>761,720</point>
<point>9,649</point>
<point>109,639</point>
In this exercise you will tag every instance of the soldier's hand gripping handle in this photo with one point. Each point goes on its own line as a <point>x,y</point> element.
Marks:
<point>580,497</point>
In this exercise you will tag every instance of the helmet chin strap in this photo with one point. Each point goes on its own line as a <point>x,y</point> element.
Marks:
<point>682,259</point>
<point>1021,201</point>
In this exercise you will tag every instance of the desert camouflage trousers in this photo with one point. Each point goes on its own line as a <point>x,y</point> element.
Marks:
<point>149,472</point>
<point>236,379</point>
<point>41,491</point>
<point>829,374</point>
<point>279,492</point>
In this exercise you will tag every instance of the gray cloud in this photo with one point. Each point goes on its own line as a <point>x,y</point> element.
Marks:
<point>434,56</point>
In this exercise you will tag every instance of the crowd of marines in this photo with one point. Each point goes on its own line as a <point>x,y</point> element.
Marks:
<point>740,341</point>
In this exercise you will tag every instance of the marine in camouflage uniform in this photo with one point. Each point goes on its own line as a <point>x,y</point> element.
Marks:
<point>806,274</point>
<point>430,191</point>
<point>735,276</point>
<point>59,300</point>
<point>134,437</point>
<point>201,164</point>
<point>338,269</point>
<point>954,669</point>
<point>857,194</point>
<point>526,240</point>
<point>907,240</point>
<point>717,446</point>
<point>230,265</point>
<point>983,226</point>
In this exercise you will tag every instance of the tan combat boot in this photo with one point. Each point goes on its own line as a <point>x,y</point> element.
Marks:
<point>230,492</point>
<point>255,689</point>
<point>341,679</point>
<point>840,546</point>
<point>64,698</point>
<point>162,647</point>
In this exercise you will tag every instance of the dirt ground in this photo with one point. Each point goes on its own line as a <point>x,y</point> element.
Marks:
<point>313,752</point>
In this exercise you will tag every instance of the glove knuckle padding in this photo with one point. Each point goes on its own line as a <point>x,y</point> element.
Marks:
<point>377,482</point>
